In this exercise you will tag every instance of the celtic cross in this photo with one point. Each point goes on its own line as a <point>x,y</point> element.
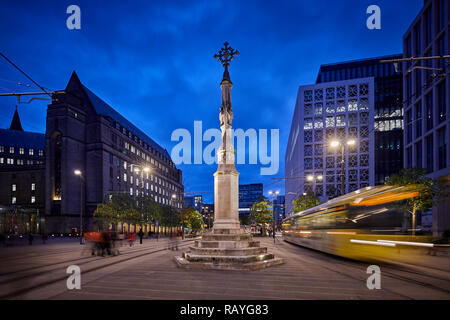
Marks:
<point>225,55</point>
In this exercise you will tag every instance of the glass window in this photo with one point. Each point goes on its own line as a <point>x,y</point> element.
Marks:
<point>419,154</point>
<point>318,123</point>
<point>409,157</point>
<point>11,149</point>
<point>418,119</point>
<point>429,155</point>
<point>441,14</point>
<point>442,112</point>
<point>13,200</point>
<point>13,187</point>
<point>2,149</point>
<point>408,126</point>
<point>33,199</point>
<point>428,26</point>
<point>33,186</point>
<point>442,149</point>
<point>417,43</point>
<point>429,110</point>
<point>31,152</point>
<point>21,150</point>
<point>308,124</point>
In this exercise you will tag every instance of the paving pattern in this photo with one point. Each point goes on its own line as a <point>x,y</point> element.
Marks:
<point>306,274</point>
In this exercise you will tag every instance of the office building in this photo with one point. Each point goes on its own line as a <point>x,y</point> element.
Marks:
<point>427,100</point>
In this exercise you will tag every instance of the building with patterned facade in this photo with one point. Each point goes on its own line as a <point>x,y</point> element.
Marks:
<point>427,100</point>
<point>388,107</point>
<point>324,112</point>
<point>84,133</point>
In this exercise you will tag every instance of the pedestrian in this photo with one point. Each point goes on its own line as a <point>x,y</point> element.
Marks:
<point>30,238</point>
<point>44,237</point>
<point>141,235</point>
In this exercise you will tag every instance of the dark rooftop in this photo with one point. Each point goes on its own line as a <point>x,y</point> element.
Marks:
<point>104,109</point>
<point>16,138</point>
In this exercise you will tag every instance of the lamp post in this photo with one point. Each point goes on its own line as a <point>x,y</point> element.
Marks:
<point>141,169</point>
<point>335,144</point>
<point>313,179</point>
<point>80,174</point>
<point>174,196</point>
<point>273,212</point>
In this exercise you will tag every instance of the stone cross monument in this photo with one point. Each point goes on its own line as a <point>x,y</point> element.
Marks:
<point>226,246</point>
<point>226,178</point>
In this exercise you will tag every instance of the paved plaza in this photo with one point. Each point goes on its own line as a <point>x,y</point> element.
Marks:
<point>148,271</point>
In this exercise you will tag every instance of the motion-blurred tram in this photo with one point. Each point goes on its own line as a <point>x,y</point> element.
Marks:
<point>367,224</point>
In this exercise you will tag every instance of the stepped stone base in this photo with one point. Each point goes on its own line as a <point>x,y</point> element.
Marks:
<point>227,249</point>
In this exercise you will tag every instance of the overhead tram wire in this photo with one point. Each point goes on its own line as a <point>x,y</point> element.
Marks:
<point>25,74</point>
<point>16,82</point>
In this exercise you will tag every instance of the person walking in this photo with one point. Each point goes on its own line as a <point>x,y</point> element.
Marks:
<point>44,237</point>
<point>141,235</point>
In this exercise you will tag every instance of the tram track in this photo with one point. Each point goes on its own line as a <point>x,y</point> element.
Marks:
<point>390,269</point>
<point>111,261</point>
<point>85,251</point>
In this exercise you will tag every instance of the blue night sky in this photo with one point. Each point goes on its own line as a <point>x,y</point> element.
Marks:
<point>153,60</point>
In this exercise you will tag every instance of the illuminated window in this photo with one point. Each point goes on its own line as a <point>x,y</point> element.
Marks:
<point>340,106</point>
<point>318,108</point>
<point>31,152</point>
<point>14,187</point>
<point>2,149</point>
<point>308,124</point>
<point>318,123</point>
<point>11,149</point>
<point>352,105</point>
<point>13,200</point>
<point>41,153</point>
<point>33,199</point>
<point>21,150</point>
<point>340,121</point>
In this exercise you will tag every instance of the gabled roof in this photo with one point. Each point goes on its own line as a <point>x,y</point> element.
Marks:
<point>102,108</point>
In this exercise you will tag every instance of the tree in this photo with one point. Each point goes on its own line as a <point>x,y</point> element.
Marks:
<point>244,220</point>
<point>117,208</point>
<point>192,219</point>
<point>429,191</point>
<point>151,210</point>
<point>261,213</point>
<point>195,221</point>
<point>304,202</point>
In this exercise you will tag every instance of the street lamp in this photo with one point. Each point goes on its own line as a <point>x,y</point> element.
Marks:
<point>79,173</point>
<point>273,212</point>
<point>335,144</point>
<point>174,196</point>
<point>138,168</point>
<point>313,179</point>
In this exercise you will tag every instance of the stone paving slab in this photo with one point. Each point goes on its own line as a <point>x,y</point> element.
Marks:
<point>306,274</point>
